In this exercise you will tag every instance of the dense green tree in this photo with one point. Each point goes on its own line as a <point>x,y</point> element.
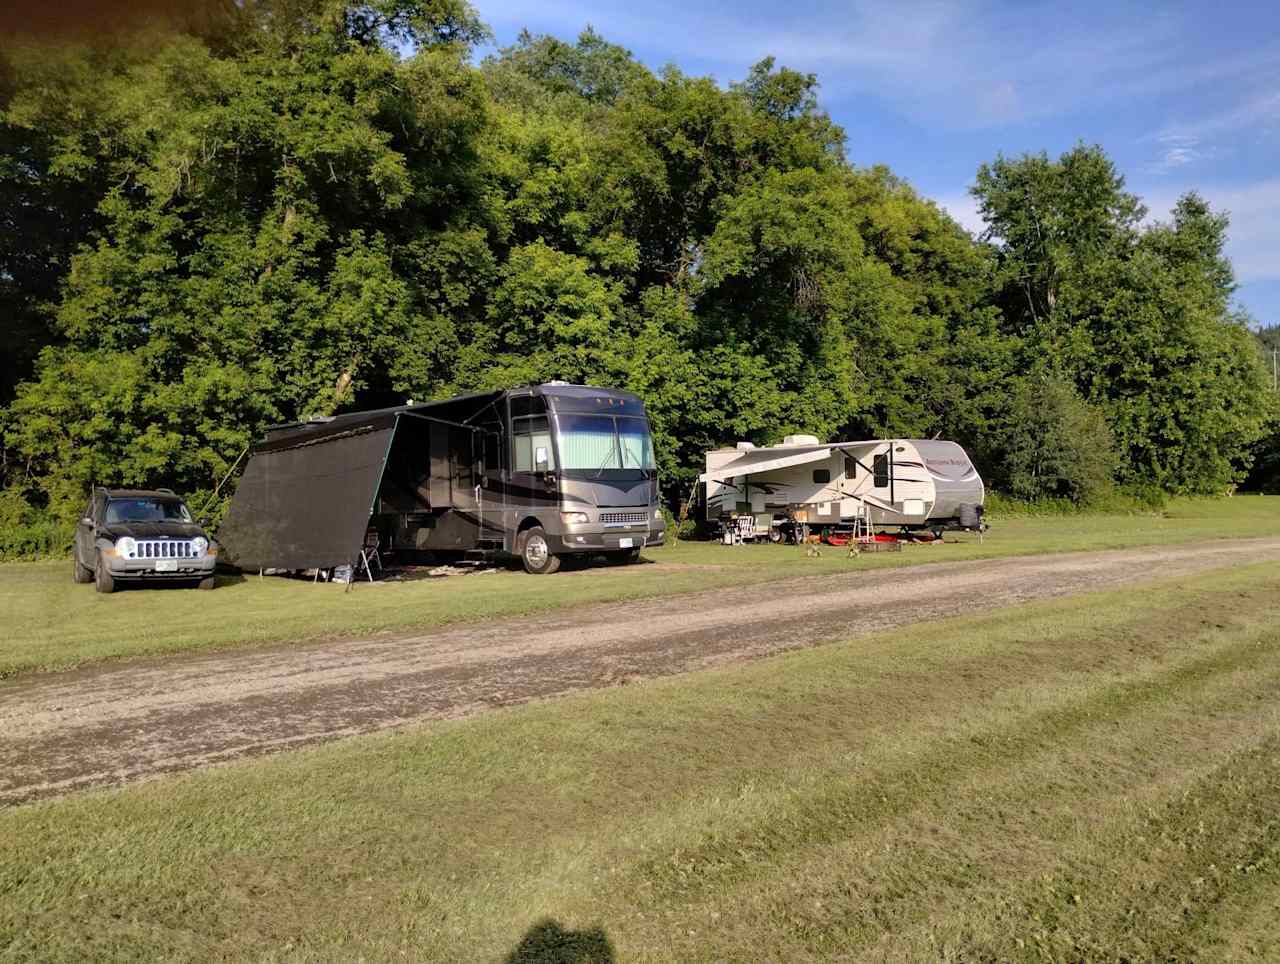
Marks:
<point>1055,444</point>
<point>262,215</point>
<point>1138,318</point>
<point>237,213</point>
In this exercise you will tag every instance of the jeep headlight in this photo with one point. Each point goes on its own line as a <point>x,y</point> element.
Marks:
<point>657,515</point>
<point>574,518</point>
<point>126,547</point>
<point>199,544</point>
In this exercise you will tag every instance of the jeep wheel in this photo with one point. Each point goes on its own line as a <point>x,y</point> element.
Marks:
<point>102,578</point>
<point>205,583</point>
<point>82,575</point>
<point>536,553</point>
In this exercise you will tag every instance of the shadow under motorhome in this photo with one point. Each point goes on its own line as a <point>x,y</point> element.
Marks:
<point>891,483</point>
<point>537,472</point>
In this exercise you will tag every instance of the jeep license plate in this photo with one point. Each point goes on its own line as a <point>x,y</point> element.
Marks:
<point>625,543</point>
<point>166,565</point>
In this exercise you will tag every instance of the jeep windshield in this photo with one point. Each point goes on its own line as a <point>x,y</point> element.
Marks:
<point>591,445</point>
<point>124,511</point>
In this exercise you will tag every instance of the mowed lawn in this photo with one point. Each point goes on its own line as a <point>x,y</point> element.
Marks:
<point>49,623</point>
<point>1090,778</point>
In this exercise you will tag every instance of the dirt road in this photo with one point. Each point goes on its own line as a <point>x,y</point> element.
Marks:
<point>118,722</point>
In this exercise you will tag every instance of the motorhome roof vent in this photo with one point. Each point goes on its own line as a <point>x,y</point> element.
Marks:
<point>746,446</point>
<point>801,440</point>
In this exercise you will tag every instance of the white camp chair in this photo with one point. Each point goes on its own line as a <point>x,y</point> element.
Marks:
<point>369,553</point>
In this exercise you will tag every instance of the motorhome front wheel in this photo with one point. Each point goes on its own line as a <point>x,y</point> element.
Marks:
<point>536,554</point>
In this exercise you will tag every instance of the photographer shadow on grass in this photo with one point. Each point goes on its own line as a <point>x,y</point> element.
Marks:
<point>546,942</point>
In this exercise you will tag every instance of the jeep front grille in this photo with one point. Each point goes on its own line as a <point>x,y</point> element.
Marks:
<point>164,549</point>
<point>624,518</point>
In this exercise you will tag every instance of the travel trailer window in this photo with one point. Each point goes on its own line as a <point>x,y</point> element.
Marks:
<point>528,435</point>
<point>880,469</point>
<point>850,467</point>
<point>821,476</point>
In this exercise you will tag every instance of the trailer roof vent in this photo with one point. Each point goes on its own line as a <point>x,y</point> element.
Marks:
<point>746,446</point>
<point>801,440</point>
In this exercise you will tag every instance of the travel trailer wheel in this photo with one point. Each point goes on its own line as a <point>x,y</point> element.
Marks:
<point>536,554</point>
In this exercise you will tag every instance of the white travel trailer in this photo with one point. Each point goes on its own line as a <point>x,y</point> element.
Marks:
<point>891,483</point>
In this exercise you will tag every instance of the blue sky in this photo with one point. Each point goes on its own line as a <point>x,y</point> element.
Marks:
<point>1181,96</point>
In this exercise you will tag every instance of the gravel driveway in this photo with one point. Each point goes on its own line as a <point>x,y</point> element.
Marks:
<point>113,723</point>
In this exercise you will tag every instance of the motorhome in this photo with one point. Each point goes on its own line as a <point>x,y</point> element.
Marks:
<point>537,472</point>
<point>906,484</point>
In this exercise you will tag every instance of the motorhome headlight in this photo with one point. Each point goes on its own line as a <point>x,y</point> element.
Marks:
<point>199,544</point>
<point>126,547</point>
<point>574,518</point>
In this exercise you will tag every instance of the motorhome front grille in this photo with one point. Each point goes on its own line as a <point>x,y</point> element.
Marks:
<point>165,549</point>
<point>624,518</point>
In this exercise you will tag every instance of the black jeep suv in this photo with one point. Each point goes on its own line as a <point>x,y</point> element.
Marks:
<point>138,535</point>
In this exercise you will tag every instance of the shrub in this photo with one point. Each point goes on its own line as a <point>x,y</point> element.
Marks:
<point>1056,445</point>
<point>28,532</point>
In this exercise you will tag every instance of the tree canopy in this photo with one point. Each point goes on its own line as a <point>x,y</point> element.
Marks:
<point>287,208</point>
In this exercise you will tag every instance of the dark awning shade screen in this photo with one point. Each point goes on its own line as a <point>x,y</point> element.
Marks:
<point>304,502</point>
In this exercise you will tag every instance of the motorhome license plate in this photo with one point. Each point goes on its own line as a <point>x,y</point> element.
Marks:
<point>625,543</point>
<point>166,565</point>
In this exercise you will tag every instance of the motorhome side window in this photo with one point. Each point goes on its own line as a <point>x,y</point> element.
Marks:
<point>880,469</point>
<point>526,405</point>
<point>531,438</point>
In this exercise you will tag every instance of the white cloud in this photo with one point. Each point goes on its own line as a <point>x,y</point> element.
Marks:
<point>959,64</point>
<point>1253,240</point>
<point>964,209</point>
<point>1258,112</point>
<point>1177,151</point>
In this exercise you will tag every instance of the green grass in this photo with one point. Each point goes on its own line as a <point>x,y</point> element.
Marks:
<point>52,624</point>
<point>1086,778</point>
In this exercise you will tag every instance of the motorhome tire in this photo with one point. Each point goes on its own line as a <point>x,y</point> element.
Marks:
<point>83,575</point>
<point>536,554</point>
<point>102,578</point>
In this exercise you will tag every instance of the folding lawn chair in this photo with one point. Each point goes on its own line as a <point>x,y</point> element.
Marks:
<point>369,553</point>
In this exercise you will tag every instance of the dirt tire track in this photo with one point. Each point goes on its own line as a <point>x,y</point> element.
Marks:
<point>114,723</point>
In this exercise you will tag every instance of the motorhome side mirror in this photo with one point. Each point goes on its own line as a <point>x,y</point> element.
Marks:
<point>541,460</point>
<point>86,521</point>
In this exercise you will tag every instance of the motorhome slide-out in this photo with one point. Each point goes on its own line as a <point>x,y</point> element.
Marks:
<point>536,472</point>
<point>888,483</point>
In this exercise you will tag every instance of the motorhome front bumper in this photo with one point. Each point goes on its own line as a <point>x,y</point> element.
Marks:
<point>609,538</point>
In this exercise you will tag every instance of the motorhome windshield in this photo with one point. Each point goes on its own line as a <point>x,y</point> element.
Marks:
<point>595,443</point>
